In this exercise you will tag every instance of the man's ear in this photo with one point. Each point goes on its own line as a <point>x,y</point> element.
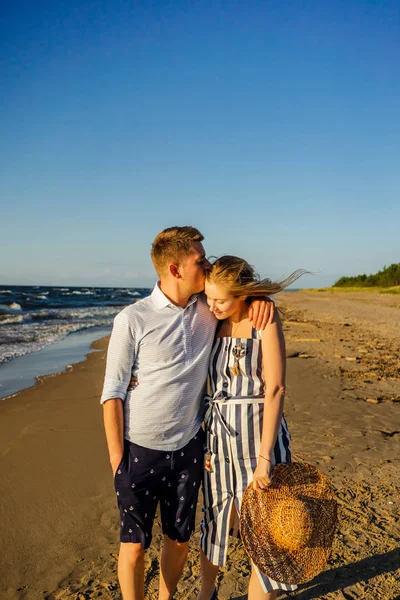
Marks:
<point>174,270</point>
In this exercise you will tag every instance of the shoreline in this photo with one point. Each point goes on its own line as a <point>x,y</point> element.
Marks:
<point>56,484</point>
<point>49,361</point>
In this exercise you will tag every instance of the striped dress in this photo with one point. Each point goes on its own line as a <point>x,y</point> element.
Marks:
<point>233,422</point>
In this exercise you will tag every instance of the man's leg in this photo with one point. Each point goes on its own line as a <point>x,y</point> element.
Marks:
<point>178,502</point>
<point>173,558</point>
<point>131,571</point>
<point>136,485</point>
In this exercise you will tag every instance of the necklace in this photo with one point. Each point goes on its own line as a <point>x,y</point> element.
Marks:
<point>238,351</point>
<point>234,330</point>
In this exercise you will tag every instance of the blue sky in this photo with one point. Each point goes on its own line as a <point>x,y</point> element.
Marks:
<point>271,126</point>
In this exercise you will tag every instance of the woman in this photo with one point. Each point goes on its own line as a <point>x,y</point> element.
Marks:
<point>246,430</point>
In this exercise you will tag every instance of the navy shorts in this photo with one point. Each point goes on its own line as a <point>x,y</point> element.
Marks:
<point>146,477</point>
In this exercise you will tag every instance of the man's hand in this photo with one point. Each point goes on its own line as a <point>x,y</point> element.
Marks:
<point>114,427</point>
<point>261,312</point>
<point>115,462</point>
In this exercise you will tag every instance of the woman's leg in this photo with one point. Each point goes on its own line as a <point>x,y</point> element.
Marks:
<point>256,591</point>
<point>209,573</point>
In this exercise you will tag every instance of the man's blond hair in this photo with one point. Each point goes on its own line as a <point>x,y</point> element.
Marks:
<point>172,245</point>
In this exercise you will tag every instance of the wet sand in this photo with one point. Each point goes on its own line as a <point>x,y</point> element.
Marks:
<point>59,525</point>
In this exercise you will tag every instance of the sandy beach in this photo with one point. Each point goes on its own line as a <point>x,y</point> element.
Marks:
<point>59,522</point>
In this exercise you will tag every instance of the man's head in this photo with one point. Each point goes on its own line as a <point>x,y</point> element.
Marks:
<point>178,254</point>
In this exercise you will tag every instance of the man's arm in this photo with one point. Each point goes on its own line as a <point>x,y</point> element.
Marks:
<point>120,359</point>
<point>113,413</point>
<point>261,312</point>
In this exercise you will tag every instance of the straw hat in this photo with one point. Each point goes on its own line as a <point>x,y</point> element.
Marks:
<point>288,529</point>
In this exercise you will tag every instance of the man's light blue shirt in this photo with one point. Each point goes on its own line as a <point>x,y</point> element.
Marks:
<point>166,349</point>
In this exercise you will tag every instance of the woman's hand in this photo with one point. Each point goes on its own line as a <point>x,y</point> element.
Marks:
<point>262,474</point>
<point>133,383</point>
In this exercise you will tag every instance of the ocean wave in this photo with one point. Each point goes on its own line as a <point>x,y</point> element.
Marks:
<point>10,319</point>
<point>89,312</point>
<point>32,317</point>
<point>10,308</point>
<point>59,314</point>
<point>20,347</point>
<point>31,337</point>
<point>77,313</point>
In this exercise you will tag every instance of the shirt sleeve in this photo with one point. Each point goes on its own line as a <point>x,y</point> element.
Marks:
<point>120,359</point>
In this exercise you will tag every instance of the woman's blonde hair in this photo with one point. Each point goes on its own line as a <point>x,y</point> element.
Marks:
<point>242,280</point>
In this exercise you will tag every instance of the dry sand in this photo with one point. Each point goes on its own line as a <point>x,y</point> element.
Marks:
<point>59,525</point>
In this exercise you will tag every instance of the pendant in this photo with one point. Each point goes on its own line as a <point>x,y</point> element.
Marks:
<point>235,370</point>
<point>238,351</point>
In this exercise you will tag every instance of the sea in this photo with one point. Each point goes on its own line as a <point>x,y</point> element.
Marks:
<point>44,329</point>
<point>33,318</point>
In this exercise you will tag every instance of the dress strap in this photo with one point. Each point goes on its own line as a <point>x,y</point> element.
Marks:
<point>256,334</point>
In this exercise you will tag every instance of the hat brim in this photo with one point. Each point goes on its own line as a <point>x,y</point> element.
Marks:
<point>289,481</point>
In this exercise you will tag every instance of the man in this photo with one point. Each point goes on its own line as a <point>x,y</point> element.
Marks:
<point>153,408</point>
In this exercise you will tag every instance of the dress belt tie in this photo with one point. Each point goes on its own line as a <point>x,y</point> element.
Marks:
<point>216,404</point>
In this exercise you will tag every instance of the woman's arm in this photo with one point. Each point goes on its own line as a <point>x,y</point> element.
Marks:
<point>274,371</point>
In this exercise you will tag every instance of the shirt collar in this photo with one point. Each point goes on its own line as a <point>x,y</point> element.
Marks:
<point>160,300</point>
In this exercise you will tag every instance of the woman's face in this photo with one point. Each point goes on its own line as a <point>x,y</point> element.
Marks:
<point>221,302</point>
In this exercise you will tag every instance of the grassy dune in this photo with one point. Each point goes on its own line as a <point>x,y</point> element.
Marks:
<point>345,290</point>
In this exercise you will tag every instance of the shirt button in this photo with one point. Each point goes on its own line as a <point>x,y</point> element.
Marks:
<point>225,384</point>
<point>227,459</point>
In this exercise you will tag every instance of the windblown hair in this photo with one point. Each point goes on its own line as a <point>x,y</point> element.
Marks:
<point>242,280</point>
<point>172,245</point>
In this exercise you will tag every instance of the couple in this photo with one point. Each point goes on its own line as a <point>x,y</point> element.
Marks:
<point>161,350</point>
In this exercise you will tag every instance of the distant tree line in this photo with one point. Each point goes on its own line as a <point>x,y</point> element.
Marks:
<point>388,277</point>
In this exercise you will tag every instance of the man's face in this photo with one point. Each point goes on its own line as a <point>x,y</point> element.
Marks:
<point>192,269</point>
